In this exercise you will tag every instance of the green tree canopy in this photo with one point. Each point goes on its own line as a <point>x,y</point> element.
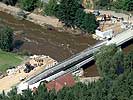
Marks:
<point>103,58</point>
<point>28,5</point>
<point>9,2</point>
<point>50,8</point>
<point>100,4</point>
<point>89,23</point>
<point>67,10</point>
<point>72,14</point>
<point>6,38</point>
<point>124,4</point>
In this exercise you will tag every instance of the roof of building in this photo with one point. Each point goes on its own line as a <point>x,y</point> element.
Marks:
<point>60,82</point>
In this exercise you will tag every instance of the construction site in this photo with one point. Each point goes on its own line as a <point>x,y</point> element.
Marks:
<point>32,66</point>
<point>110,23</point>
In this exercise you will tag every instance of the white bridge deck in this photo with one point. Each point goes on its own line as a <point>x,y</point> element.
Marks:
<point>122,37</point>
<point>118,40</point>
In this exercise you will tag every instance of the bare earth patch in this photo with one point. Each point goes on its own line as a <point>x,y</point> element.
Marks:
<point>8,82</point>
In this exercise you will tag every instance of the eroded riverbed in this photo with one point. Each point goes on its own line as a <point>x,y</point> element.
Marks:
<point>58,45</point>
<point>37,40</point>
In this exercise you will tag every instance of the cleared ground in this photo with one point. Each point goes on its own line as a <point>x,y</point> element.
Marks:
<point>8,60</point>
<point>14,78</point>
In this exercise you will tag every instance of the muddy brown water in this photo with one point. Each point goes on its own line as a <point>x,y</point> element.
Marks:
<point>37,40</point>
<point>58,45</point>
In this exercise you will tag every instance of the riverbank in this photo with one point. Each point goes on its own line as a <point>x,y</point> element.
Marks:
<point>46,22</point>
<point>37,40</point>
<point>37,19</point>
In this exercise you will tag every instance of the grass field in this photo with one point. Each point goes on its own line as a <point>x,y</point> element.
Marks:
<point>8,60</point>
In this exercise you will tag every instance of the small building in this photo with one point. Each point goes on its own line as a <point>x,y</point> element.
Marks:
<point>57,84</point>
<point>105,34</point>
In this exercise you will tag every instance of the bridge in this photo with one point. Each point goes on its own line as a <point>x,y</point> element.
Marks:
<point>75,62</point>
<point>122,37</point>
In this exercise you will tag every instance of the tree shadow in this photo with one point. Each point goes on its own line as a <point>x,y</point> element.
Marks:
<point>126,44</point>
<point>17,44</point>
<point>89,64</point>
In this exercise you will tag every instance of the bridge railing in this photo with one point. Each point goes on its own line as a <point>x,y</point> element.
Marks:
<point>120,43</point>
<point>97,45</point>
<point>90,48</point>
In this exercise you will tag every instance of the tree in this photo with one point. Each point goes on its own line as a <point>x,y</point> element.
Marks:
<point>67,10</point>
<point>100,4</point>
<point>124,4</point>
<point>72,14</point>
<point>9,2</point>
<point>129,5</point>
<point>103,60</point>
<point>50,8</point>
<point>128,61</point>
<point>27,95</point>
<point>118,4</point>
<point>13,95</point>
<point>79,17</point>
<point>122,86</point>
<point>89,23</point>
<point>6,38</point>
<point>104,3</point>
<point>28,5</point>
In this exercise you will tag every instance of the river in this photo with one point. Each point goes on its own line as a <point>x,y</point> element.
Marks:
<point>37,40</point>
<point>33,38</point>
